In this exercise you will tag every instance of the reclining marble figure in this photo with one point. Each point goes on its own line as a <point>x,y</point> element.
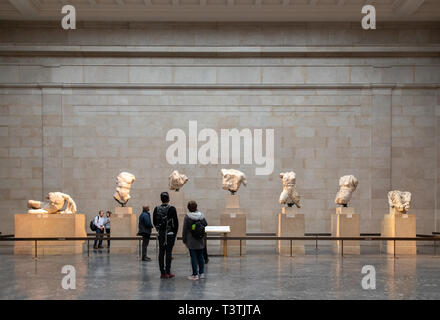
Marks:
<point>400,200</point>
<point>289,195</point>
<point>58,203</point>
<point>232,179</point>
<point>177,180</point>
<point>347,185</point>
<point>123,186</point>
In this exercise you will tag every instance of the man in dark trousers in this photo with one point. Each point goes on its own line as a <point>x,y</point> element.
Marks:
<point>145,227</point>
<point>166,223</point>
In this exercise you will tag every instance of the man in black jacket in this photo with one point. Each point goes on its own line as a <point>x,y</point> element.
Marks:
<point>145,227</point>
<point>166,223</point>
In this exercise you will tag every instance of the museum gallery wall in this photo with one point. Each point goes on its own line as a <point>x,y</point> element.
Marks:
<point>73,123</point>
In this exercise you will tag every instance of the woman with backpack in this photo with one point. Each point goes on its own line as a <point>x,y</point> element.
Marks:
<point>193,236</point>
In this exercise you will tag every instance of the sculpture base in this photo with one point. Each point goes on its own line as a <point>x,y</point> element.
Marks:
<point>346,223</point>
<point>232,201</point>
<point>236,219</point>
<point>49,225</point>
<point>123,210</point>
<point>123,225</point>
<point>177,199</point>
<point>291,223</point>
<point>179,246</point>
<point>400,225</point>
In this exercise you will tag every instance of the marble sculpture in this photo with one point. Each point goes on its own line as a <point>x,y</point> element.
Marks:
<point>400,200</point>
<point>289,195</point>
<point>58,203</point>
<point>177,180</point>
<point>347,185</point>
<point>232,179</point>
<point>123,186</point>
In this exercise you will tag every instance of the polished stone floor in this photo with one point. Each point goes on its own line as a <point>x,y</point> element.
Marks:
<point>255,276</point>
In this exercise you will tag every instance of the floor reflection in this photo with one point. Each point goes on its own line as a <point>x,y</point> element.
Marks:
<point>42,278</point>
<point>269,276</point>
<point>401,278</point>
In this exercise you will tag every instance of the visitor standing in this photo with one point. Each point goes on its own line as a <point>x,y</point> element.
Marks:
<point>145,227</point>
<point>99,223</point>
<point>193,236</point>
<point>107,226</point>
<point>166,223</point>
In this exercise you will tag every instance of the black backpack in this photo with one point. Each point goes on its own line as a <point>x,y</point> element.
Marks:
<point>93,226</point>
<point>162,218</point>
<point>198,230</point>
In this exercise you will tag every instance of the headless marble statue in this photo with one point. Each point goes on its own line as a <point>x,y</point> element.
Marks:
<point>289,195</point>
<point>59,203</point>
<point>347,185</point>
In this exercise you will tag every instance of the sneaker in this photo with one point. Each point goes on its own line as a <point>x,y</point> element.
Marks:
<point>164,276</point>
<point>171,275</point>
<point>146,259</point>
<point>193,278</point>
<point>202,276</point>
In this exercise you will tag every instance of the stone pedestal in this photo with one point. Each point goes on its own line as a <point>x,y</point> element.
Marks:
<point>232,201</point>
<point>237,223</point>
<point>234,217</point>
<point>396,224</point>
<point>177,199</point>
<point>291,223</point>
<point>123,225</point>
<point>179,246</point>
<point>49,225</point>
<point>123,210</point>
<point>346,223</point>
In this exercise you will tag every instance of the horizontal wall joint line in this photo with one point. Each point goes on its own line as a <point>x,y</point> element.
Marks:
<point>128,86</point>
<point>221,51</point>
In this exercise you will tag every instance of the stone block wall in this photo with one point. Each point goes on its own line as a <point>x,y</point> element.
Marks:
<point>72,118</point>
